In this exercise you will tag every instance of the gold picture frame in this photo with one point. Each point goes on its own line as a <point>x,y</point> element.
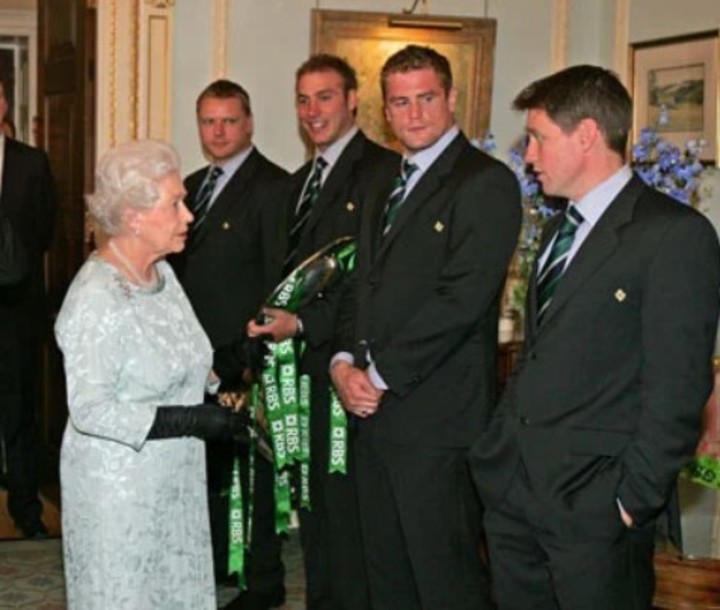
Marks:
<point>681,75</point>
<point>367,39</point>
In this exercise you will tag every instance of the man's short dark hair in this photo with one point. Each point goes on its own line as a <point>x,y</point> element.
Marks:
<point>415,57</point>
<point>583,92</point>
<point>225,89</point>
<point>324,62</point>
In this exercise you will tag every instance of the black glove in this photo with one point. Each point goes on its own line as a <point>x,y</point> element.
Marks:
<point>203,421</point>
<point>231,360</point>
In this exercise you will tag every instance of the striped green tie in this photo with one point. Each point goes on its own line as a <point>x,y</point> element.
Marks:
<point>397,196</point>
<point>557,259</point>
<point>201,205</point>
<point>309,196</point>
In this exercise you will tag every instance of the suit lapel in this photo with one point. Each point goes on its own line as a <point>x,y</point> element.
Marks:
<point>597,247</point>
<point>430,182</point>
<point>334,183</point>
<point>229,196</point>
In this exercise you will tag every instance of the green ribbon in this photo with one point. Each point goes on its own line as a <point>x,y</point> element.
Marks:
<point>282,502</point>
<point>239,536</point>
<point>236,548</point>
<point>704,470</point>
<point>337,460</point>
<point>304,414</point>
<point>287,379</point>
<point>286,396</point>
<point>274,411</point>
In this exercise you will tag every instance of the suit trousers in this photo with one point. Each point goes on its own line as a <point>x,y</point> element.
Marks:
<point>421,524</point>
<point>536,568</point>
<point>264,568</point>
<point>18,406</point>
<point>336,577</point>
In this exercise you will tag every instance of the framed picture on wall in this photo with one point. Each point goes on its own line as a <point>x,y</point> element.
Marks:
<point>677,78</point>
<point>366,40</point>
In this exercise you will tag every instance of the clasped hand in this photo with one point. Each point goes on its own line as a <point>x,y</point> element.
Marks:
<point>355,389</point>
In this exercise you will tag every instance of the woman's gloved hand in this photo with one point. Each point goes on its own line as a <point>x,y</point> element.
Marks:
<point>206,421</point>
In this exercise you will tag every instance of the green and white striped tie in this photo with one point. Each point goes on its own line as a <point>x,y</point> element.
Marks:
<point>397,196</point>
<point>557,260</point>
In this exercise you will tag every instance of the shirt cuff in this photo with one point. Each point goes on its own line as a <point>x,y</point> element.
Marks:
<point>375,378</point>
<point>341,357</point>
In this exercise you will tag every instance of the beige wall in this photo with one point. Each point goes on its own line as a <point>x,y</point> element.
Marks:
<point>268,39</point>
<point>650,19</point>
<point>265,40</point>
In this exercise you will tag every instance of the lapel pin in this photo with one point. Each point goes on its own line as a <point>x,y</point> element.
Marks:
<point>439,227</point>
<point>349,206</point>
<point>225,225</point>
<point>620,295</point>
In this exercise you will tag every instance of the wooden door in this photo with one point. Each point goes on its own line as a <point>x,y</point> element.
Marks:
<point>66,50</point>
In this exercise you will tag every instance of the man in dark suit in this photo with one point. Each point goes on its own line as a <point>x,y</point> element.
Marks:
<point>419,341</point>
<point>27,201</point>
<point>585,447</point>
<point>222,270</point>
<point>326,102</point>
<point>14,264</point>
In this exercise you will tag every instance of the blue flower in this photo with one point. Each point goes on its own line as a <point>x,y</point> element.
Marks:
<point>664,166</point>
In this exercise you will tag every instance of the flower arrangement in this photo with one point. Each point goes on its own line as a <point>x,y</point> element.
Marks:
<point>664,166</point>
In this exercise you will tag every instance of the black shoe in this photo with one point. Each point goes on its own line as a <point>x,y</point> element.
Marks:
<point>252,600</point>
<point>34,530</point>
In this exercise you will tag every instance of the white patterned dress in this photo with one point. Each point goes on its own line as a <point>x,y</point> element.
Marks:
<point>134,512</point>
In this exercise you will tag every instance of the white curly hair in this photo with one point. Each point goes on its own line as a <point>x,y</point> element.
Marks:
<point>127,176</point>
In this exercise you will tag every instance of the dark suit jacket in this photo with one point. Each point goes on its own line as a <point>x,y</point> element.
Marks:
<point>426,296</point>
<point>27,200</point>
<point>609,392</point>
<point>336,213</point>
<point>222,266</point>
<point>13,259</point>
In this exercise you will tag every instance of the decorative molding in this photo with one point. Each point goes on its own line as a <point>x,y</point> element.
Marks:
<point>134,60</point>
<point>134,69</point>
<point>559,34</point>
<point>113,75</point>
<point>220,23</point>
<point>157,75</point>
<point>621,50</point>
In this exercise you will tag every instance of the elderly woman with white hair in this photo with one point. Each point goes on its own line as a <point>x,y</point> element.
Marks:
<point>134,512</point>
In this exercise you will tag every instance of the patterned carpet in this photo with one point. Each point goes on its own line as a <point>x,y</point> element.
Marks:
<point>31,575</point>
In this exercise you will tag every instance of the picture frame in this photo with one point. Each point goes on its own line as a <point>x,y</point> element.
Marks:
<point>679,75</point>
<point>367,39</point>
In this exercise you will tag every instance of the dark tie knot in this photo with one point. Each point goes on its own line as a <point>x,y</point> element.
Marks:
<point>573,215</point>
<point>320,164</point>
<point>571,221</point>
<point>215,173</point>
<point>407,169</point>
